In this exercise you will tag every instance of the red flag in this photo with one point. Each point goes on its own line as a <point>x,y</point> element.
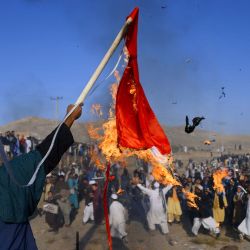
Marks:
<point>137,125</point>
<point>105,205</point>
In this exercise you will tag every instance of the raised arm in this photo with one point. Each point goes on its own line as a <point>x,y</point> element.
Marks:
<point>63,141</point>
<point>146,191</point>
<point>166,189</point>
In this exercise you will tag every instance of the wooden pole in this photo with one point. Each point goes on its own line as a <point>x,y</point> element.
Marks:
<point>77,241</point>
<point>105,205</point>
<point>103,63</point>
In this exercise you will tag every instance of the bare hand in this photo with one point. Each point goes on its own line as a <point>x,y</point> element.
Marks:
<point>75,115</point>
<point>77,112</point>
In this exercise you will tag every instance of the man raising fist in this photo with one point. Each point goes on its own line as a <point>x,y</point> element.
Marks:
<point>19,202</point>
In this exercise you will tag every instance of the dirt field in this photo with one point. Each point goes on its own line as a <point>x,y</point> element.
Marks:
<point>94,238</point>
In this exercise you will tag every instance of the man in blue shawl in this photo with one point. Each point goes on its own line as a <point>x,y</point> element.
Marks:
<point>17,203</point>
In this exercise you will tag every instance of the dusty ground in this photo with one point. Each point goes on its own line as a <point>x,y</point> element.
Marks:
<point>94,238</point>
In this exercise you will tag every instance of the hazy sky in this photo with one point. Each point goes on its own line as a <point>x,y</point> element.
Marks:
<point>187,51</point>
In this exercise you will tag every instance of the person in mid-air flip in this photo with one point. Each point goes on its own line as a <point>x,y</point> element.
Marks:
<point>196,121</point>
<point>223,94</point>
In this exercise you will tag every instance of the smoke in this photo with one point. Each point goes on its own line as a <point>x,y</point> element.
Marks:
<point>28,98</point>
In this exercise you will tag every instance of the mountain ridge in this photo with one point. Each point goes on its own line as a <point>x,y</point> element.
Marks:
<point>41,127</point>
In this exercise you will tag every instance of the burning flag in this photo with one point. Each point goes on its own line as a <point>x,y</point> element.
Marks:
<point>218,176</point>
<point>163,175</point>
<point>190,198</point>
<point>132,127</point>
<point>137,125</point>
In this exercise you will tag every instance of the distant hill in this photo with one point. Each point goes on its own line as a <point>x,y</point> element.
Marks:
<point>39,128</point>
<point>178,137</point>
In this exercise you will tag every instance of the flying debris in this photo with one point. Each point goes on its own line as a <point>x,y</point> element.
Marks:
<point>196,121</point>
<point>208,142</point>
<point>223,94</point>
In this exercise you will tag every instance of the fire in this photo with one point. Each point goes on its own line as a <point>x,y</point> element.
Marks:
<point>93,132</point>
<point>111,151</point>
<point>120,191</point>
<point>118,78</point>
<point>190,198</point>
<point>113,91</point>
<point>126,55</point>
<point>96,158</point>
<point>163,175</point>
<point>218,176</point>
<point>108,144</point>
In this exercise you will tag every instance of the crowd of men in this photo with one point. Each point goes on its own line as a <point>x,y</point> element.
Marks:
<point>15,144</point>
<point>135,195</point>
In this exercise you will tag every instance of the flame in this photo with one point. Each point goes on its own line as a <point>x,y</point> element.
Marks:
<point>218,176</point>
<point>163,175</point>
<point>118,78</point>
<point>93,132</point>
<point>132,92</point>
<point>126,55</point>
<point>113,90</point>
<point>96,158</point>
<point>111,151</point>
<point>190,198</point>
<point>120,191</point>
<point>108,144</point>
<point>109,148</point>
<point>94,154</point>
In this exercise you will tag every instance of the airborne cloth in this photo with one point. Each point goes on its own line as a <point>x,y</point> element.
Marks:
<point>137,125</point>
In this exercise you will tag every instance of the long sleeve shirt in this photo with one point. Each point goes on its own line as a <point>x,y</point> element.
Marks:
<point>18,203</point>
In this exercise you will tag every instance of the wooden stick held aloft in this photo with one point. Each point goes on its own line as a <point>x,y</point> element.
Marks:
<point>104,61</point>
